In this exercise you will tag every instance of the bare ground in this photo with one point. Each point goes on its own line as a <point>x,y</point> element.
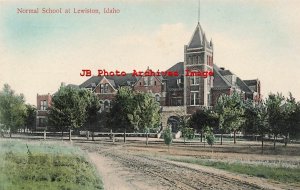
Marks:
<point>135,166</point>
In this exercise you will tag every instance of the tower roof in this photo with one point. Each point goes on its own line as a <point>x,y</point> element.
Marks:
<point>197,38</point>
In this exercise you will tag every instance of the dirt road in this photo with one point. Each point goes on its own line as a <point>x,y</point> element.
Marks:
<point>122,169</point>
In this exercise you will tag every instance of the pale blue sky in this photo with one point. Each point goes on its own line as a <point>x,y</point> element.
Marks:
<point>254,39</point>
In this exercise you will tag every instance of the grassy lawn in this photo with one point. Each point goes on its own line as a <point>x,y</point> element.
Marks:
<point>286,175</point>
<point>45,166</point>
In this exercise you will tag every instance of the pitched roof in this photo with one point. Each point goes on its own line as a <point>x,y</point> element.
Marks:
<point>242,85</point>
<point>197,39</point>
<point>219,80</point>
<point>251,82</point>
<point>172,80</point>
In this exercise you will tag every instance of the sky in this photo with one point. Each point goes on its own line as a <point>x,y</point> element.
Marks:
<point>254,39</point>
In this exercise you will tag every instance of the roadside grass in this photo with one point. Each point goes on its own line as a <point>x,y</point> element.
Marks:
<point>285,175</point>
<point>45,166</point>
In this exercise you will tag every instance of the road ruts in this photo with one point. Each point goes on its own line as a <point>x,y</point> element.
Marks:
<point>174,176</point>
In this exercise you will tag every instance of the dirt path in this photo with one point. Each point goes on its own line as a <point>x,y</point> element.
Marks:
<point>121,169</point>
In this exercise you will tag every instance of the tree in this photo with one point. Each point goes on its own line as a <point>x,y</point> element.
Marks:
<point>135,110</point>
<point>202,118</point>
<point>167,135</point>
<point>122,107</point>
<point>274,105</point>
<point>186,131</point>
<point>149,110</point>
<point>30,116</point>
<point>93,107</point>
<point>231,111</point>
<point>68,109</point>
<point>209,135</point>
<point>295,128</point>
<point>12,109</point>
<point>289,119</point>
<point>256,119</point>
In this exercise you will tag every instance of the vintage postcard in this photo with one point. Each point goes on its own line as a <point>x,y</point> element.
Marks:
<point>149,94</point>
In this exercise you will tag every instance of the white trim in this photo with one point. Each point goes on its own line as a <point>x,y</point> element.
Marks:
<point>108,83</point>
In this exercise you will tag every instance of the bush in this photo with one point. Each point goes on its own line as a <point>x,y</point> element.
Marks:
<point>167,135</point>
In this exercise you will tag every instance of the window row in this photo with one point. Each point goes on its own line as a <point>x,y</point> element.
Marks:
<point>44,105</point>
<point>104,88</point>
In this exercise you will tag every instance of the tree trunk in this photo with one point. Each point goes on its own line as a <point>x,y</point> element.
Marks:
<point>87,134</point>
<point>93,133</point>
<point>45,135</point>
<point>125,135</point>
<point>286,139</point>
<point>234,137</point>
<point>147,138</point>
<point>274,141</point>
<point>221,137</point>
<point>201,135</point>
<point>9,133</point>
<point>262,143</point>
<point>70,135</point>
<point>62,134</point>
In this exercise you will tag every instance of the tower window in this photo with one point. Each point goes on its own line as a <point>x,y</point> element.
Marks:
<point>43,105</point>
<point>195,98</point>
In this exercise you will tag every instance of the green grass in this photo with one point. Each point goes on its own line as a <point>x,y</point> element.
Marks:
<point>286,175</point>
<point>45,166</point>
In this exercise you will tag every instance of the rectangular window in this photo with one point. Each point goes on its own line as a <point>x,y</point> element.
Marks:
<point>151,81</point>
<point>195,80</point>
<point>195,98</point>
<point>146,81</point>
<point>101,88</point>
<point>44,105</point>
<point>106,88</point>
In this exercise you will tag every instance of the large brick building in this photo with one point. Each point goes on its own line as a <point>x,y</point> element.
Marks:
<point>185,92</point>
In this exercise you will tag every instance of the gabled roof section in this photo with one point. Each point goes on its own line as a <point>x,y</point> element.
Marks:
<point>251,82</point>
<point>225,72</point>
<point>88,83</point>
<point>197,38</point>
<point>177,67</point>
<point>219,80</point>
<point>242,85</point>
<point>172,80</point>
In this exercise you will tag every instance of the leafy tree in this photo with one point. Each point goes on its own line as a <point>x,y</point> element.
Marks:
<point>202,118</point>
<point>30,117</point>
<point>12,109</point>
<point>149,110</point>
<point>93,107</point>
<point>68,109</point>
<point>295,128</point>
<point>230,111</point>
<point>167,135</point>
<point>209,136</point>
<point>122,107</point>
<point>289,119</point>
<point>256,117</point>
<point>186,131</point>
<point>274,105</point>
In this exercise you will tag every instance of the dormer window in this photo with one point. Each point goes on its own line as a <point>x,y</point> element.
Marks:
<point>146,82</point>
<point>104,88</point>
<point>101,88</point>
